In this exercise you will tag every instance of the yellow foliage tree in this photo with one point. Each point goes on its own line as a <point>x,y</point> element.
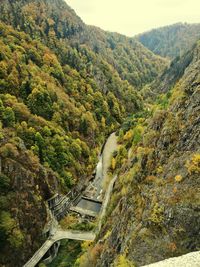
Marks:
<point>122,261</point>
<point>103,122</point>
<point>178,178</point>
<point>113,163</point>
<point>128,135</point>
<point>193,165</point>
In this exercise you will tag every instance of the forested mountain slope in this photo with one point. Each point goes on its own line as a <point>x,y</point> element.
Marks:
<point>63,89</point>
<point>56,120</point>
<point>56,25</point>
<point>171,41</point>
<point>170,76</point>
<point>156,195</point>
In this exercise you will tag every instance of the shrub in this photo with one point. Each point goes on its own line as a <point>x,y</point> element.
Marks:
<point>9,150</point>
<point>9,227</point>
<point>122,261</point>
<point>4,182</point>
<point>137,134</point>
<point>193,166</point>
<point>178,178</point>
<point>8,117</point>
<point>113,164</point>
<point>157,214</point>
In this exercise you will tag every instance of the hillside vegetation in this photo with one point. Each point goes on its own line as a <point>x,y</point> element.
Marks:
<point>156,195</point>
<point>171,41</point>
<point>64,87</point>
<point>161,87</point>
<point>54,23</point>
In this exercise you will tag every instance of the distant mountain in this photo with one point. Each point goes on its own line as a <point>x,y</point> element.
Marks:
<point>163,83</point>
<point>171,41</point>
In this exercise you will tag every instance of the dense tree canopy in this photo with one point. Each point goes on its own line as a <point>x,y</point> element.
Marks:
<point>64,87</point>
<point>171,41</point>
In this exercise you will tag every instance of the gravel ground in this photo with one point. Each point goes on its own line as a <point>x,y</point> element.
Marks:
<point>189,260</point>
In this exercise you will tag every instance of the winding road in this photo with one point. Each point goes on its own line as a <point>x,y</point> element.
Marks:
<point>104,164</point>
<point>59,235</point>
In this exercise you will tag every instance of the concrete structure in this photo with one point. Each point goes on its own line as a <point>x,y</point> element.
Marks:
<point>106,201</point>
<point>59,204</point>
<point>91,199</point>
<point>75,235</point>
<point>84,211</point>
<point>51,253</point>
<point>59,235</point>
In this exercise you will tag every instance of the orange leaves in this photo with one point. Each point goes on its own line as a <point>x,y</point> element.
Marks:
<point>172,247</point>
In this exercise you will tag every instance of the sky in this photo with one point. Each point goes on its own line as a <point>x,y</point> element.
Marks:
<point>131,17</point>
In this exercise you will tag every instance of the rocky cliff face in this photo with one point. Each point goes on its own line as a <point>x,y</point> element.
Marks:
<point>173,73</point>
<point>158,216</point>
<point>25,185</point>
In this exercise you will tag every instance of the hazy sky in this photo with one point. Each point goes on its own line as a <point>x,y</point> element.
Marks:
<point>135,16</point>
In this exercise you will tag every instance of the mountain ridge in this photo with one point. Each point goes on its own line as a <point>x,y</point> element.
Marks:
<point>76,31</point>
<point>172,40</point>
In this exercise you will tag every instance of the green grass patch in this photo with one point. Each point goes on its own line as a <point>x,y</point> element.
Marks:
<point>68,253</point>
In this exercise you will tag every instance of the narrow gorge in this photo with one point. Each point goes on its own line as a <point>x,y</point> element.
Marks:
<point>99,139</point>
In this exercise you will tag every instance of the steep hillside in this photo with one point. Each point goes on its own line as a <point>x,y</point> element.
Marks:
<point>156,195</point>
<point>63,89</point>
<point>56,25</point>
<point>171,41</point>
<point>133,61</point>
<point>57,120</point>
<point>166,81</point>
